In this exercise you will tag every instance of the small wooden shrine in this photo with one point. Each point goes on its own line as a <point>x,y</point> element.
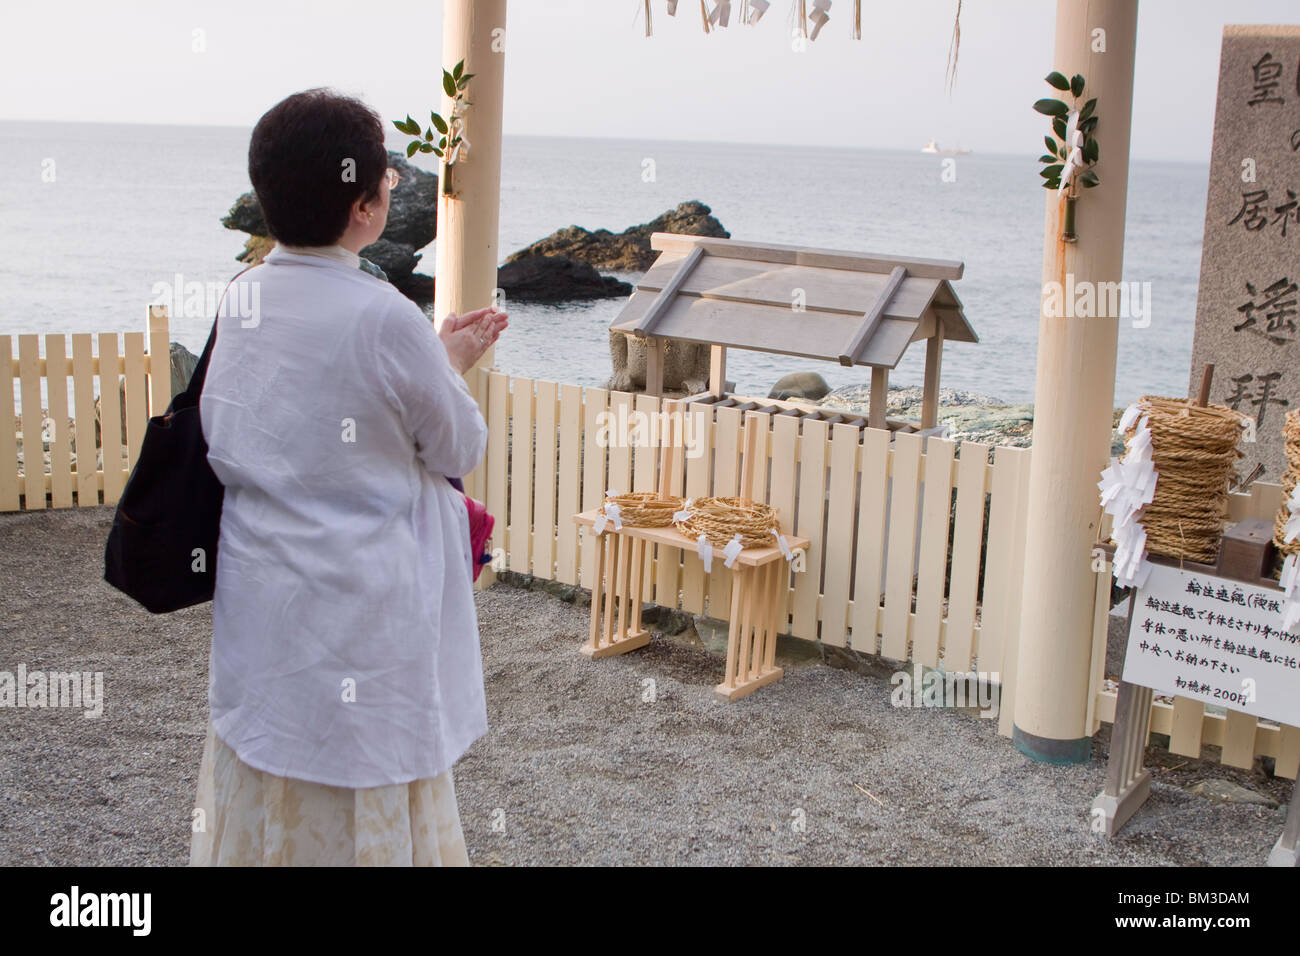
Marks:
<point>848,307</point>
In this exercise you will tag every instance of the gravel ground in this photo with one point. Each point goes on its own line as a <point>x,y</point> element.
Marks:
<point>579,767</point>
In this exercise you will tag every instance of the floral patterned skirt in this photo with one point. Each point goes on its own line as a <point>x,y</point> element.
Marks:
<point>252,818</point>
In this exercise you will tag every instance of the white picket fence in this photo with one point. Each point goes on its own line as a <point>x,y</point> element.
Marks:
<point>883,516</point>
<point>55,390</point>
<point>917,544</point>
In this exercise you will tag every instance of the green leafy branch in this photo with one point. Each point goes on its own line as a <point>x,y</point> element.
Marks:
<point>445,138</point>
<point>1073,127</point>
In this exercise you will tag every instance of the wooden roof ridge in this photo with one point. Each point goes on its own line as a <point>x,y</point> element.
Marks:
<point>950,269</point>
<point>872,317</point>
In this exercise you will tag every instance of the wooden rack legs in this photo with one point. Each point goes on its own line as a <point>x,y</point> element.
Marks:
<point>757,609</point>
<point>617,583</point>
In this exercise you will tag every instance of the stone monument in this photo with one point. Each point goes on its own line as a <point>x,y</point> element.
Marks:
<point>1247,306</point>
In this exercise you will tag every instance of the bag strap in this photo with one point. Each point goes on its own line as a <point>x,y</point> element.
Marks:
<point>195,387</point>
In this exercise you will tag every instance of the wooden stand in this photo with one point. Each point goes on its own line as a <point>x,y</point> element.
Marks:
<point>621,594</point>
<point>1245,555</point>
<point>759,587</point>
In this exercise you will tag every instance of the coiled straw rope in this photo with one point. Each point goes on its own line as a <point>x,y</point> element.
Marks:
<point>645,509</point>
<point>721,519</point>
<point>1291,436</point>
<point>1194,450</point>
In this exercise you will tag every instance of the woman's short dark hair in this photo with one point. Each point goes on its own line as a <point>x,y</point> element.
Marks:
<point>311,157</point>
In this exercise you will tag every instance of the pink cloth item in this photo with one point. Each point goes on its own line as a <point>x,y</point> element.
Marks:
<point>480,530</point>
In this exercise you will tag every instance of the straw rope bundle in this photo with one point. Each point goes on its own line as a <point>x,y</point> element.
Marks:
<point>1194,450</point>
<point>645,509</point>
<point>721,519</point>
<point>1291,435</point>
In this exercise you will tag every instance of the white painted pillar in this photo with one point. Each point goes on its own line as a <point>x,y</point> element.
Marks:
<point>1073,399</point>
<point>466,258</point>
<point>466,263</point>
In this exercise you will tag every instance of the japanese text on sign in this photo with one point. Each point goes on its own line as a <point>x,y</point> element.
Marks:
<point>1214,640</point>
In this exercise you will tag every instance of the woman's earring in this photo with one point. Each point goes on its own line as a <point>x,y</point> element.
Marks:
<point>370,217</point>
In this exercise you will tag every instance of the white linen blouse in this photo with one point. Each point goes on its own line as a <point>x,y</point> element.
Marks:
<point>345,644</point>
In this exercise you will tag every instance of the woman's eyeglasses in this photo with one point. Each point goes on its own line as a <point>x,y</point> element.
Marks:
<point>393,177</point>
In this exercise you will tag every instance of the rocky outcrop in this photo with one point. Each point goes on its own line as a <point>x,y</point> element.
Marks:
<point>969,416</point>
<point>246,216</point>
<point>182,367</point>
<point>629,250</point>
<point>806,385</point>
<point>556,279</point>
<point>686,365</point>
<point>412,225</point>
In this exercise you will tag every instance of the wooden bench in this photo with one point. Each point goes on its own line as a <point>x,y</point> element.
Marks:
<point>760,585</point>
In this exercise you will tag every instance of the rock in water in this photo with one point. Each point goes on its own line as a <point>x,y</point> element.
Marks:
<point>182,367</point>
<point>412,208</point>
<point>556,279</point>
<point>412,225</point>
<point>246,216</point>
<point>629,250</point>
<point>969,416</point>
<point>686,365</point>
<point>807,385</point>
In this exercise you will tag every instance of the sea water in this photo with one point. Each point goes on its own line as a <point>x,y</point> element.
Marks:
<point>96,216</point>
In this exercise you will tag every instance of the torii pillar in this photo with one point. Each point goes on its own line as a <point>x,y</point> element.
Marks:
<point>466,259</point>
<point>1073,401</point>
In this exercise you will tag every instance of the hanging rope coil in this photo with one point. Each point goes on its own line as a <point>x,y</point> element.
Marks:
<point>1194,449</point>
<point>1291,439</point>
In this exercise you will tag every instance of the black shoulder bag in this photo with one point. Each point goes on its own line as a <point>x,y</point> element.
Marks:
<point>162,549</point>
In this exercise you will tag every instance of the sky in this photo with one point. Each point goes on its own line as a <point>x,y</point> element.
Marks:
<point>584,68</point>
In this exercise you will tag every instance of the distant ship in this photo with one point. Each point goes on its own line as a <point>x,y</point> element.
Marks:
<point>933,147</point>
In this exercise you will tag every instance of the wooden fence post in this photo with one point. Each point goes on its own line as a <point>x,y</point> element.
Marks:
<point>160,361</point>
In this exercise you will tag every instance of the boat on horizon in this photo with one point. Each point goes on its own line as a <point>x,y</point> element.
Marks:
<point>933,147</point>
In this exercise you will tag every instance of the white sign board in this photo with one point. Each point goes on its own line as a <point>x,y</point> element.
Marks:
<point>1214,640</point>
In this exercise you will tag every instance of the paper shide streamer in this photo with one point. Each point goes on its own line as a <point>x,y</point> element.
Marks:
<point>609,514</point>
<point>705,551</point>
<point>783,545</point>
<point>751,11</point>
<point>1290,580</point>
<point>819,16</point>
<point>1074,161</point>
<point>1127,486</point>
